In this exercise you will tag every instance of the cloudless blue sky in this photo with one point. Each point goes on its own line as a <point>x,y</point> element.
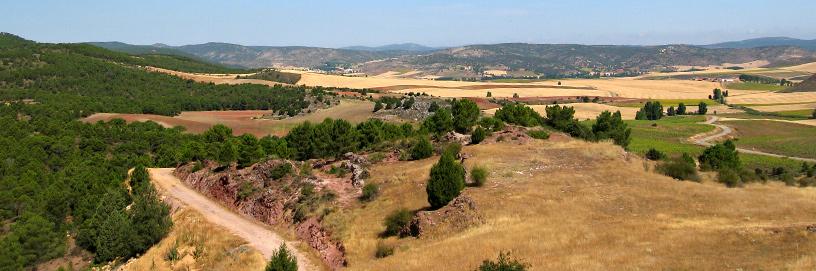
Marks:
<point>336,23</point>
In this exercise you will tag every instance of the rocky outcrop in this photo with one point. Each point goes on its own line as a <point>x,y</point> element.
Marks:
<point>355,165</point>
<point>313,233</point>
<point>459,214</point>
<point>462,139</point>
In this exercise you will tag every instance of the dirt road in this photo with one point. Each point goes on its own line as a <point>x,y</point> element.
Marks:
<point>704,140</point>
<point>256,234</point>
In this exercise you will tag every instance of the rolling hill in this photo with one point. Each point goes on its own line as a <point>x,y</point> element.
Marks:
<point>766,42</point>
<point>520,59</point>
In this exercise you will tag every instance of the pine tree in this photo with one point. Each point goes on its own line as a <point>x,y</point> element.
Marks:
<point>465,114</point>
<point>681,109</point>
<point>282,260</point>
<point>446,182</point>
<point>702,108</point>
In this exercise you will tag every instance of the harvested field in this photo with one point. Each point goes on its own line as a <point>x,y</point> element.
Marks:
<point>785,107</point>
<point>807,67</point>
<point>572,205</point>
<point>244,121</point>
<point>771,98</point>
<point>215,78</point>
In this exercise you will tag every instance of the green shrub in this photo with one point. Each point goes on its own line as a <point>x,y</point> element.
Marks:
<point>197,166</point>
<point>439,123</point>
<point>478,135</point>
<point>650,111</point>
<point>504,263</point>
<point>370,192</point>
<point>654,155</point>
<point>282,260</point>
<point>446,182</point>
<point>518,114</point>
<point>422,149</point>
<point>245,190</point>
<point>720,156</point>
<point>376,157</point>
<point>306,169</point>
<point>465,114</point>
<point>491,124</point>
<point>788,179</point>
<point>538,134</point>
<point>681,168</point>
<point>611,126</point>
<point>479,175</point>
<point>172,254</point>
<point>383,250</point>
<point>396,221</point>
<point>729,177</point>
<point>280,171</point>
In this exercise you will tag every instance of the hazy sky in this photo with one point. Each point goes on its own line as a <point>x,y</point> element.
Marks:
<point>437,23</point>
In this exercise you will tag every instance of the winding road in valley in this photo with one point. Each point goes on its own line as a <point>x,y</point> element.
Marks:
<point>256,234</point>
<point>705,140</point>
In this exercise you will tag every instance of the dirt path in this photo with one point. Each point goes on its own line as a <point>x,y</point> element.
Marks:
<point>255,233</point>
<point>704,139</point>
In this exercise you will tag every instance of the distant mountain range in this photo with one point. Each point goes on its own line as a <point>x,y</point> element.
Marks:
<point>766,42</point>
<point>407,47</point>
<point>520,59</point>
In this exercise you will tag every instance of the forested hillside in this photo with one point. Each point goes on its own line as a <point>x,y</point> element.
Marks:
<point>60,176</point>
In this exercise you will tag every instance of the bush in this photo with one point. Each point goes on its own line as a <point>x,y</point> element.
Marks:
<point>439,123</point>
<point>518,114</point>
<point>465,114</point>
<point>504,263</point>
<point>422,149</point>
<point>478,135</point>
<point>729,177</point>
<point>280,171</point>
<point>245,190</point>
<point>611,126</point>
<point>370,192</point>
<point>491,124</point>
<point>446,182</point>
<point>383,250</point>
<point>681,168</point>
<point>396,221</point>
<point>282,260</point>
<point>720,156</point>
<point>538,134</point>
<point>654,155</point>
<point>560,117</point>
<point>479,175</point>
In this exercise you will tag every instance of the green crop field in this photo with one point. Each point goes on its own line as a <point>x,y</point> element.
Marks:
<point>671,137</point>
<point>776,137</point>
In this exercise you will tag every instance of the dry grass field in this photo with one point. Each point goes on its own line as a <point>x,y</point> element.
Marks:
<point>214,78</point>
<point>785,107</point>
<point>200,246</point>
<point>570,205</point>
<point>243,122</point>
<point>807,67</point>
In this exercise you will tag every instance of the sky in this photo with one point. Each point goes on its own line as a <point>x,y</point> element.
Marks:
<point>337,23</point>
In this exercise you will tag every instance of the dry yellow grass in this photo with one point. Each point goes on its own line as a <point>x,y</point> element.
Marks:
<point>201,246</point>
<point>214,78</point>
<point>616,87</point>
<point>772,98</point>
<point>807,67</point>
<point>785,107</point>
<point>571,205</point>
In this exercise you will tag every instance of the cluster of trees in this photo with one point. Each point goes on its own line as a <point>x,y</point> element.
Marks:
<point>332,138</point>
<point>96,82</point>
<point>461,117</point>
<point>650,111</point>
<point>758,79</point>
<point>718,95</point>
